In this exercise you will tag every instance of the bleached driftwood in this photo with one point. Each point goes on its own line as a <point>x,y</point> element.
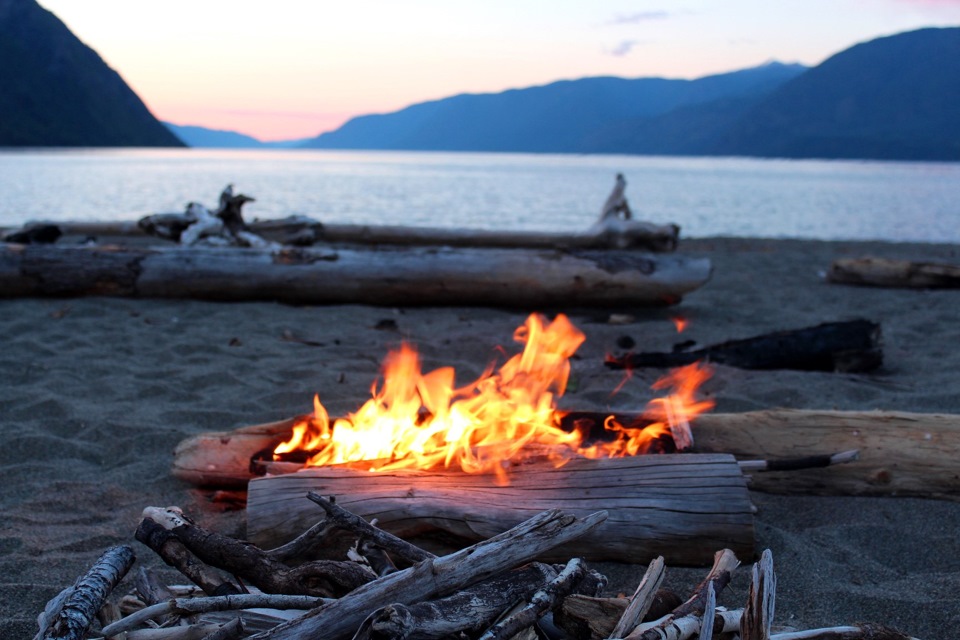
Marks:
<point>440,576</point>
<point>641,600</point>
<point>70,614</point>
<point>883,272</point>
<point>412,276</point>
<point>659,504</point>
<point>901,454</point>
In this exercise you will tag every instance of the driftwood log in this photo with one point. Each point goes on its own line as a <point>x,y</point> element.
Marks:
<point>911,454</point>
<point>848,346</point>
<point>658,505</point>
<point>883,272</point>
<point>497,277</point>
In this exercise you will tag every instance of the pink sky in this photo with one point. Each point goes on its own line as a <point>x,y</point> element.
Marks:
<point>288,69</point>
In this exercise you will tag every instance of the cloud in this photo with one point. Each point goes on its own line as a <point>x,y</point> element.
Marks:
<point>640,16</point>
<point>623,48</point>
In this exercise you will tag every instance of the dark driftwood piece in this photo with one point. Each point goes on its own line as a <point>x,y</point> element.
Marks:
<point>440,576</point>
<point>833,346</point>
<point>172,551</point>
<point>540,603</point>
<point>410,276</point>
<point>321,578</point>
<point>678,506</point>
<point>389,542</point>
<point>71,613</point>
<point>469,610</point>
<point>586,618</point>
<point>881,272</point>
<point>757,618</point>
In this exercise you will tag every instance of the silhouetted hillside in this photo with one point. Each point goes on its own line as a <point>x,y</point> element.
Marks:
<point>56,91</point>
<point>896,97</point>
<point>564,116</point>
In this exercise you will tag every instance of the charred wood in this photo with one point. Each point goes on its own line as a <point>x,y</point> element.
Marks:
<point>833,346</point>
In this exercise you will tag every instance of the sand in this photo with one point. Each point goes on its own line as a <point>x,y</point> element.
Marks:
<point>95,393</point>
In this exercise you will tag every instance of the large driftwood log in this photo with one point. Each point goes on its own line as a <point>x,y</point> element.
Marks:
<point>659,505</point>
<point>440,576</point>
<point>833,346</point>
<point>901,454</point>
<point>883,272</point>
<point>498,277</point>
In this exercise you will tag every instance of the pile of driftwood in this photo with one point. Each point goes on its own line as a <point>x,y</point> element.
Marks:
<point>388,588</point>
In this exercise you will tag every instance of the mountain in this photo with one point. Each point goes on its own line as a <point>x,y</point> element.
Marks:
<point>896,97</point>
<point>56,91</point>
<point>564,116</point>
<point>202,137</point>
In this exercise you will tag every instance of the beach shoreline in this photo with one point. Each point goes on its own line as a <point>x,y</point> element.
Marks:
<point>96,393</point>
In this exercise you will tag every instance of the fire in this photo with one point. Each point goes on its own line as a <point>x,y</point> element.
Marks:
<point>680,323</point>
<point>424,421</point>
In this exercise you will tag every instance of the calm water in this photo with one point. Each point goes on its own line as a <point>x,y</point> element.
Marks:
<point>705,196</point>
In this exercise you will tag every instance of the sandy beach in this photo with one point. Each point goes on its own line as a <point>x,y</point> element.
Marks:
<point>97,392</point>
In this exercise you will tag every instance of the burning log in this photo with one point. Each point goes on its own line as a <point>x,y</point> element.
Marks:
<point>413,276</point>
<point>909,454</point>
<point>882,272</point>
<point>658,504</point>
<point>833,346</point>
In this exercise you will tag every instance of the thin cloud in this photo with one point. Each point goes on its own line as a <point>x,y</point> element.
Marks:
<point>639,17</point>
<point>623,48</point>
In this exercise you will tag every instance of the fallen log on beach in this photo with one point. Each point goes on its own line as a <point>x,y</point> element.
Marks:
<point>882,272</point>
<point>411,276</point>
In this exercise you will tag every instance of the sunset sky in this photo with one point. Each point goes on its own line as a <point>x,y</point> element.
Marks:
<point>283,69</point>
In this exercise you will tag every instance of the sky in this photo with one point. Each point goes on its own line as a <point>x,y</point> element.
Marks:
<point>288,69</point>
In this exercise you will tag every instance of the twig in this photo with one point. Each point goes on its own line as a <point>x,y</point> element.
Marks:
<point>302,543</point>
<point>863,631</point>
<point>709,609</point>
<point>805,462</point>
<point>387,541</point>
<point>79,607</point>
<point>642,598</point>
<point>541,602</point>
<point>193,606</point>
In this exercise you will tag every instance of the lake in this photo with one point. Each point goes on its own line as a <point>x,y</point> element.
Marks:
<point>830,200</point>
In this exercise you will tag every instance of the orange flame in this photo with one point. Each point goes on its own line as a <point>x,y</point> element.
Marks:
<point>680,323</point>
<point>422,421</point>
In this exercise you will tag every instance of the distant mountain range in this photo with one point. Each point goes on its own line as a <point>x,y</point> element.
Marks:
<point>56,91</point>
<point>196,136</point>
<point>895,97</point>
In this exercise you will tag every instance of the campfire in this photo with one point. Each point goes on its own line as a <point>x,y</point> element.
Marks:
<point>506,417</point>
